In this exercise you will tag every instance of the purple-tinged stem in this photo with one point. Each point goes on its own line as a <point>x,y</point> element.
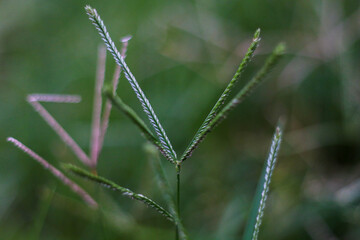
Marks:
<point>74,187</point>
<point>50,120</point>
<point>115,82</point>
<point>58,98</point>
<point>96,119</point>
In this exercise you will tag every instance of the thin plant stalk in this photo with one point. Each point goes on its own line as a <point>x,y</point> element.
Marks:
<point>178,171</point>
<point>115,82</point>
<point>58,174</point>
<point>96,118</point>
<point>167,193</point>
<point>35,99</point>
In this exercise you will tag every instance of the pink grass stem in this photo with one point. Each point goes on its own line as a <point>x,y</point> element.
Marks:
<point>96,118</point>
<point>50,120</point>
<point>115,82</point>
<point>74,187</point>
<point>54,98</point>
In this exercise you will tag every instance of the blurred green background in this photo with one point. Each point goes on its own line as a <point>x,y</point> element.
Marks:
<point>183,53</point>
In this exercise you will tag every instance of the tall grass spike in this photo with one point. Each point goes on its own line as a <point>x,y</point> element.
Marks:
<point>160,132</point>
<point>220,102</point>
<point>270,62</point>
<point>254,223</point>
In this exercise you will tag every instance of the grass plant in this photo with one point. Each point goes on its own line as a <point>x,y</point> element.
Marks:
<point>158,141</point>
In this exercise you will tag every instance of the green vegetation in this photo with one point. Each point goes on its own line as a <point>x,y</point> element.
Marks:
<point>183,55</point>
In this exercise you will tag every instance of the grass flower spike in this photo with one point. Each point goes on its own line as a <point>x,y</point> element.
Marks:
<point>256,215</point>
<point>160,132</point>
<point>125,191</point>
<point>271,61</point>
<point>220,102</point>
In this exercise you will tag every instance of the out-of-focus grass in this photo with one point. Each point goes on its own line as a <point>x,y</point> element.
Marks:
<point>183,53</point>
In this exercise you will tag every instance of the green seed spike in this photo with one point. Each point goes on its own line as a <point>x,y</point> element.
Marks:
<point>257,211</point>
<point>271,61</point>
<point>125,191</point>
<point>220,102</point>
<point>154,121</point>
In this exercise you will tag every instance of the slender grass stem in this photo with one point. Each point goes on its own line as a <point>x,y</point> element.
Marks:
<point>56,172</point>
<point>96,117</point>
<point>178,171</point>
<point>35,99</point>
<point>115,82</point>
<point>166,191</point>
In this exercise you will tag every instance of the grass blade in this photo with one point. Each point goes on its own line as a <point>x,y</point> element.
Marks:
<point>128,111</point>
<point>257,211</point>
<point>74,187</point>
<point>220,102</point>
<point>244,92</point>
<point>126,192</point>
<point>165,189</point>
<point>160,132</point>
<point>233,216</point>
<point>44,207</point>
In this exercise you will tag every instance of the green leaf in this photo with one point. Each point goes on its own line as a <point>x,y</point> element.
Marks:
<point>233,216</point>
